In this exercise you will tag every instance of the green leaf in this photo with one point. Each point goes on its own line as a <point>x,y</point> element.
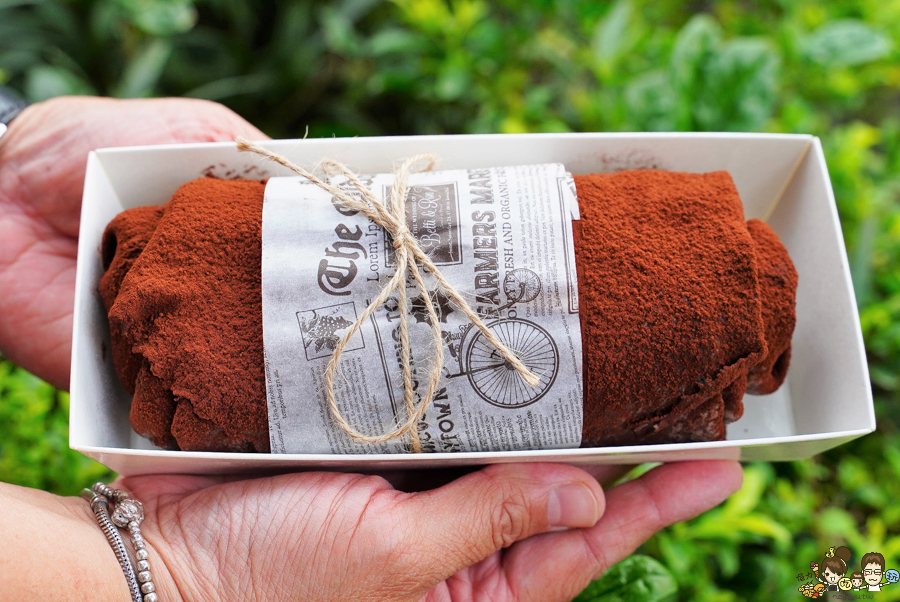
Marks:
<point>651,102</point>
<point>694,44</point>
<point>638,578</point>
<point>836,522</point>
<point>729,562</point>
<point>676,552</point>
<point>432,16</point>
<point>162,18</point>
<point>846,43</point>
<point>338,31</point>
<point>760,525</point>
<point>613,38</point>
<point>739,86</point>
<point>144,71</point>
<point>453,79</point>
<point>395,41</point>
<point>5,4</point>
<point>696,41</point>
<point>228,87</point>
<point>45,81</point>
<point>746,500</point>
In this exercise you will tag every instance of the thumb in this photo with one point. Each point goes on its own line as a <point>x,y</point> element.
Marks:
<point>466,521</point>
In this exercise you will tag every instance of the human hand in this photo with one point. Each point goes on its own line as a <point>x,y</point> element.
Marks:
<point>42,164</point>
<point>493,535</point>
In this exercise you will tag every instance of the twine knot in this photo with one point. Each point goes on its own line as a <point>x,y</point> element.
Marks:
<point>403,237</point>
<point>408,257</point>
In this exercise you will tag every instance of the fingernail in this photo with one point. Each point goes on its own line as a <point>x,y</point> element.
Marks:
<point>572,506</point>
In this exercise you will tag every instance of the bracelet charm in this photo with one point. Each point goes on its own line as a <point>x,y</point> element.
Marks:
<point>128,514</point>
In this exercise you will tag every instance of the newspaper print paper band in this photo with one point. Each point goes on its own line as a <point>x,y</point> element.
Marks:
<point>501,235</point>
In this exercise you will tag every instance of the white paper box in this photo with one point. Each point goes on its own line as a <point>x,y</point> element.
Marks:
<point>825,401</point>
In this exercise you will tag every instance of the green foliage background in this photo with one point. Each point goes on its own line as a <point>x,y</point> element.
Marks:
<point>361,67</point>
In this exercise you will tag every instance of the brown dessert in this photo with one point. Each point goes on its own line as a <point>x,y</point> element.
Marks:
<point>680,300</point>
<point>183,291</point>
<point>684,307</point>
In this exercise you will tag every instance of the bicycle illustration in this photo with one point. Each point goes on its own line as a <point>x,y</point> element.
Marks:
<point>491,376</point>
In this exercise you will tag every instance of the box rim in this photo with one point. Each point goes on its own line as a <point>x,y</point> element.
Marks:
<point>475,456</point>
<point>474,137</point>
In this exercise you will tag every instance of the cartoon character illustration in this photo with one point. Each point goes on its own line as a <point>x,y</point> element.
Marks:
<point>832,575</point>
<point>812,591</point>
<point>872,570</point>
<point>834,567</point>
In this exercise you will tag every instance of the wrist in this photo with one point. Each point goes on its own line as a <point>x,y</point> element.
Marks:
<point>52,550</point>
<point>148,570</point>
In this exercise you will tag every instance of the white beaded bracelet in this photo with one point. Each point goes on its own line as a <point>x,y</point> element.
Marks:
<point>127,513</point>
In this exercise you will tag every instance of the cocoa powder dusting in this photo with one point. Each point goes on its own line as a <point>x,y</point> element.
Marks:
<point>190,307</point>
<point>684,306</point>
<point>778,291</point>
<point>670,306</point>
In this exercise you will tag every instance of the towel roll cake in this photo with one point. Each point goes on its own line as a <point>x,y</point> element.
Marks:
<point>684,307</point>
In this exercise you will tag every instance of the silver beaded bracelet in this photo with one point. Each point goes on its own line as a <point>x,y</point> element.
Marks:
<point>127,513</point>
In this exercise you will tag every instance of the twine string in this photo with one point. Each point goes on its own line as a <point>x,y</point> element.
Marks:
<point>408,256</point>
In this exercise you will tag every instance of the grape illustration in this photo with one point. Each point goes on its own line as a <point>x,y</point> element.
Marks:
<point>321,331</point>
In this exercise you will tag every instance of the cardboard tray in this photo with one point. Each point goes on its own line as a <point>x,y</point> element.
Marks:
<point>825,401</point>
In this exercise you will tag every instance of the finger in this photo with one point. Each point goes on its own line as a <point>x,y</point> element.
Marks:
<point>607,474</point>
<point>666,495</point>
<point>557,566</point>
<point>468,520</point>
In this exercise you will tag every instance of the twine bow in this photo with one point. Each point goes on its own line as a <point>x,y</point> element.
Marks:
<point>407,254</point>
